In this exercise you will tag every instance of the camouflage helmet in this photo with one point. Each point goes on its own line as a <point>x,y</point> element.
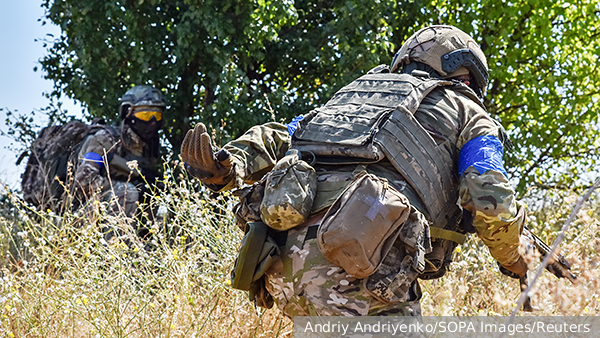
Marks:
<point>142,95</point>
<point>448,50</point>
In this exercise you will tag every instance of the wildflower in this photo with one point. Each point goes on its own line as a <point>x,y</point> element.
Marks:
<point>132,164</point>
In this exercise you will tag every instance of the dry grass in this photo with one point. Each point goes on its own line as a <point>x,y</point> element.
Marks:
<point>59,278</point>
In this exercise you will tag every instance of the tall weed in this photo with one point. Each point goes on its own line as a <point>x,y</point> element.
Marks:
<point>61,278</point>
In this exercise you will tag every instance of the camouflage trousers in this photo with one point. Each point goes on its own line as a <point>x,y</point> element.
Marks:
<point>120,200</point>
<point>305,283</point>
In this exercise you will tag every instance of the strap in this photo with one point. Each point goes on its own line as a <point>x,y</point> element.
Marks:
<point>311,232</point>
<point>280,237</point>
<point>447,234</point>
<point>359,168</point>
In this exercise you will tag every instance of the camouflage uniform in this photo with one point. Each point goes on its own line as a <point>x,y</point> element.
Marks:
<point>308,284</point>
<point>110,160</point>
<point>118,184</point>
<point>420,125</point>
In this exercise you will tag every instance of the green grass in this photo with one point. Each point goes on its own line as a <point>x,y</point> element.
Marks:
<point>59,277</point>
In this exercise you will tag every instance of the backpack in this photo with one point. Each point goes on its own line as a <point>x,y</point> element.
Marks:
<point>52,152</point>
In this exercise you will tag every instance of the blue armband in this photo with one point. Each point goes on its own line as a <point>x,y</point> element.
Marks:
<point>93,157</point>
<point>483,153</point>
<point>292,126</point>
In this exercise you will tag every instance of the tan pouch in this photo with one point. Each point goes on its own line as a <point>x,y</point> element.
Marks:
<point>290,189</point>
<point>362,224</point>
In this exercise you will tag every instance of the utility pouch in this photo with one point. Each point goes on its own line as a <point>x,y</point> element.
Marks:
<point>360,227</point>
<point>289,192</point>
<point>258,251</point>
<point>404,262</point>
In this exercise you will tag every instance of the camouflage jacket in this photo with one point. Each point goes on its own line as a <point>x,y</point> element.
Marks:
<point>452,119</point>
<point>91,176</point>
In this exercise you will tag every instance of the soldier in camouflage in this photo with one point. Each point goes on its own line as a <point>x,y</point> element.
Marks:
<point>111,160</point>
<point>436,83</point>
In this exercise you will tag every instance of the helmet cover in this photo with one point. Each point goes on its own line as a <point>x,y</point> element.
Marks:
<point>448,50</point>
<point>142,95</point>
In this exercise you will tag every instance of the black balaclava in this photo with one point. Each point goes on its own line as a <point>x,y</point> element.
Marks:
<point>146,130</point>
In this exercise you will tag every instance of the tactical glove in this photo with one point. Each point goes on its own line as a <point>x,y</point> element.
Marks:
<point>516,270</point>
<point>214,170</point>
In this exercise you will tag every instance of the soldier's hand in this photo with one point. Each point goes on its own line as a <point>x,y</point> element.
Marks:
<point>202,162</point>
<point>516,270</point>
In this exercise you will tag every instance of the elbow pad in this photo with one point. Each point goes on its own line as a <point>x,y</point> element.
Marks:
<point>483,153</point>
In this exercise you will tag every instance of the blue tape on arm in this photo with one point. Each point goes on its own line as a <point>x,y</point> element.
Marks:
<point>93,157</point>
<point>483,153</point>
<point>292,126</point>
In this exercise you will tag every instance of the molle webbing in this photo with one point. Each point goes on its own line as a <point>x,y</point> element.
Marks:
<point>345,126</point>
<point>416,156</point>
<point>370,119</point>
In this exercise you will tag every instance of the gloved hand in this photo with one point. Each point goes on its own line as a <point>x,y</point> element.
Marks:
<point>516,270</point>
<point>202,162</point>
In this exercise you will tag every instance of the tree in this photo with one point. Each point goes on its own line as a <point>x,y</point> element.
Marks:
<point>227,63</point>
<point>233,64</point>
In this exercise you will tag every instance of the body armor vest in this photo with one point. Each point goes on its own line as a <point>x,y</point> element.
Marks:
<point>371,119</point>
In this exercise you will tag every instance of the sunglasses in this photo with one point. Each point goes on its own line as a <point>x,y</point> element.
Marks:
<point>147,115</point>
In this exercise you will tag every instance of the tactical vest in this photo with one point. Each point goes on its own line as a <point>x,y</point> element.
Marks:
<point>371,119</point>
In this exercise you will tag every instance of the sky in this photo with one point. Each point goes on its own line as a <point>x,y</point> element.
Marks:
<point>22,89</point>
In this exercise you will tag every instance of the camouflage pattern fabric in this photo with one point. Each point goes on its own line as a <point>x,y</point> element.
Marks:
<point>498,217</point>
<point>452,118</point>
<point>46,173</point>
<point>290,189</point>
<point>256,152</point>
<point>120,199</point>
<point>305,283</point>
<point>118,181</point>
